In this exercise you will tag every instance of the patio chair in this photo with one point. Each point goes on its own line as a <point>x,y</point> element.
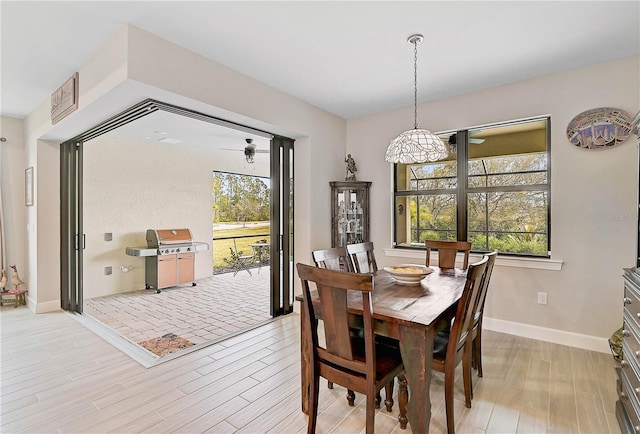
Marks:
<point>240,262</point>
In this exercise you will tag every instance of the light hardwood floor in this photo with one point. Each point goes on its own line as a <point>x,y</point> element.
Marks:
<point>59,377</point>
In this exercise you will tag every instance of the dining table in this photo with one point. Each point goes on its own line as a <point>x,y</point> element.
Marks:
<point>412,314</point>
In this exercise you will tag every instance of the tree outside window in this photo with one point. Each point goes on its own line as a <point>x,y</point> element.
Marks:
<point>493,191</point>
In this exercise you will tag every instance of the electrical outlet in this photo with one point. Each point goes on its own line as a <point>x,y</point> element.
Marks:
<point>108,271</point>
<point>542,298</point>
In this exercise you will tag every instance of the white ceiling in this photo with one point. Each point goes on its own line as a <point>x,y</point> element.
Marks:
<point>350,58</point>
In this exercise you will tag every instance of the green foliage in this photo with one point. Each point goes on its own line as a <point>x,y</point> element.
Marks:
<point>511,243</point>
<point>239,198</point>
<point>507,221</point>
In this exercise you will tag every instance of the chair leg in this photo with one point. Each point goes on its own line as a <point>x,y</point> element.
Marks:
<point>403,398</point>
<point>371,413</point>
<point>378,399</point>
<point>388,395</point>
<point>351,398</point>
<point>329,384</point>
<point>466,375</point>
<point>313,403</point>
<point>448,399</point>
<point>477,343</point>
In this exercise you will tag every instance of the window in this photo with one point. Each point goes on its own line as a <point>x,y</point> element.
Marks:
<point>492,190</point>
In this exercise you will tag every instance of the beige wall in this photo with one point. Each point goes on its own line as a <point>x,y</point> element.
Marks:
<point>593,193</point>
<point>12,166</point>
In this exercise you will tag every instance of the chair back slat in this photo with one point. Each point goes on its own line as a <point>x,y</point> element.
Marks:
<point>463,320</point>
<point>486,278</point>
<point>332,287</point>
<point>332,259</point>
<point>447,252</point>
<point>362,258</point>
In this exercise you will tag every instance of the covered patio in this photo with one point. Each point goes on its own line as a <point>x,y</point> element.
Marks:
<point>217,308</point>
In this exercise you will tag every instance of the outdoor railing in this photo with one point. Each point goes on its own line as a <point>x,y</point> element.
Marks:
<point>225,249</point>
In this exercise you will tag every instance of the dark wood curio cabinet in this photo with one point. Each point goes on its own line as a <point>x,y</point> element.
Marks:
<point>349,212</point>
<point>628,382</point>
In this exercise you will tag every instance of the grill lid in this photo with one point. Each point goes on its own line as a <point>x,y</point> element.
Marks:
<point>165,237</point>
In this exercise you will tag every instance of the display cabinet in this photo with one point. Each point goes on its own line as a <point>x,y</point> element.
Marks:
<point>628,383</point>
<point>349,212</point>
<point>636,131</point>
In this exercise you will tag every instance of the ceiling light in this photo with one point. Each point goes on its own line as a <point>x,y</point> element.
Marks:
<point>170,141</point>
<point>416,145</point>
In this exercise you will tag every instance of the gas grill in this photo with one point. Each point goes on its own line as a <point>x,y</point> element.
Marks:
<point>169,257</point>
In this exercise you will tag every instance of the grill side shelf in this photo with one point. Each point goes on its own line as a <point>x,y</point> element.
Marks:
<point>141,251</point>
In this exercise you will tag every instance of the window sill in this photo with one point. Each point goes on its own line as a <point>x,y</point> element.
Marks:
<point>503,261</point>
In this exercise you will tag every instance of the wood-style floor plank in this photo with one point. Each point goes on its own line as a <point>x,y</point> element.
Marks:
<point>59,377</point>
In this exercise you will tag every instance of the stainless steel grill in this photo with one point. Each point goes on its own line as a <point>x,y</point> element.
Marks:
<point>169,257</point>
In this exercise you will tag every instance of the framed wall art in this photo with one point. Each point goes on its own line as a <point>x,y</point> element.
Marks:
<point>28,186</point>
<point>600,128</point>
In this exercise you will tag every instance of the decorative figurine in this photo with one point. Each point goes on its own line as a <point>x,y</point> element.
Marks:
<point>15,279</point>
<point>3,282</point>
<point>351,168</point>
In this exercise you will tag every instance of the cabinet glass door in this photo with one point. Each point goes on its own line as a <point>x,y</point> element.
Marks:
<point>350,207</point>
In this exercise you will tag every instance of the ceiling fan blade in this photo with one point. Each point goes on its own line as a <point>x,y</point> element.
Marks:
<point>450,139</point>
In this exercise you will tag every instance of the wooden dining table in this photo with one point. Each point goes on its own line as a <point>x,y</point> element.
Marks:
<point>409,313</point>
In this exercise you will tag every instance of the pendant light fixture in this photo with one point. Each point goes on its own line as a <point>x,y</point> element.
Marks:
<point>416,145</point>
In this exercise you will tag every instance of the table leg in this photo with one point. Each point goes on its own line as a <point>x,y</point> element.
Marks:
<point>416,346</point>
<point>304,362</point>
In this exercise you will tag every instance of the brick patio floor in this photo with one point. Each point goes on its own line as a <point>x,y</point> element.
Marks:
<point>216,307</point>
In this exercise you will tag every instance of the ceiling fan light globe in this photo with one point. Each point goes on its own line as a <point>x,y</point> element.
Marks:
<point>416,146</point>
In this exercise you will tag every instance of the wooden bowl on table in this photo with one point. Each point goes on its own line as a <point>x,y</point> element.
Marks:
<point>408,274</point>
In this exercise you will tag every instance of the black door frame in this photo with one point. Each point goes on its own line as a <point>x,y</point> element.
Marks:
<point>71,226</point>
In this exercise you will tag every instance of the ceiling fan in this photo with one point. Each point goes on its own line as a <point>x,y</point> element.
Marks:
<point>452,141</point>
<point>250,151</point>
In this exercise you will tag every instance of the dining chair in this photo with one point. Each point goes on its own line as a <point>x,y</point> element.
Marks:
<point>356,363</point>
<point>362,257</point>
<point>452,346</point>
<point>332,259</point>
<point>476,330</point>
<point>337,259</point>
<point>447,252</point>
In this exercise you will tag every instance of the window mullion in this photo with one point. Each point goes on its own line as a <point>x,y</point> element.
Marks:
<point>462,169</point>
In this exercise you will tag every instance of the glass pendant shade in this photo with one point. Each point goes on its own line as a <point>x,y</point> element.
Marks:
<point>416,146</point>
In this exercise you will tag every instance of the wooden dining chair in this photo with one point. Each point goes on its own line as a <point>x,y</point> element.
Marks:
<point>337,259</point>
<point>332,259</point>
<point>362,257</point>
<point>452,346</point>
<point>356,363</point>
<point>476,330</point>
<point>447,252</point>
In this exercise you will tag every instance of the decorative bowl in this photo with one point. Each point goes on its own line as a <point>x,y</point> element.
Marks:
<point>408,274</point>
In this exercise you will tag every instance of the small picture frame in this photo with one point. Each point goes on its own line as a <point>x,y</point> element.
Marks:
<point>28,186</point>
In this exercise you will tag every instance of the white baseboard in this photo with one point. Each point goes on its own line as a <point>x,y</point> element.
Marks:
<point>48,306</point>
<point>548,335</point>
